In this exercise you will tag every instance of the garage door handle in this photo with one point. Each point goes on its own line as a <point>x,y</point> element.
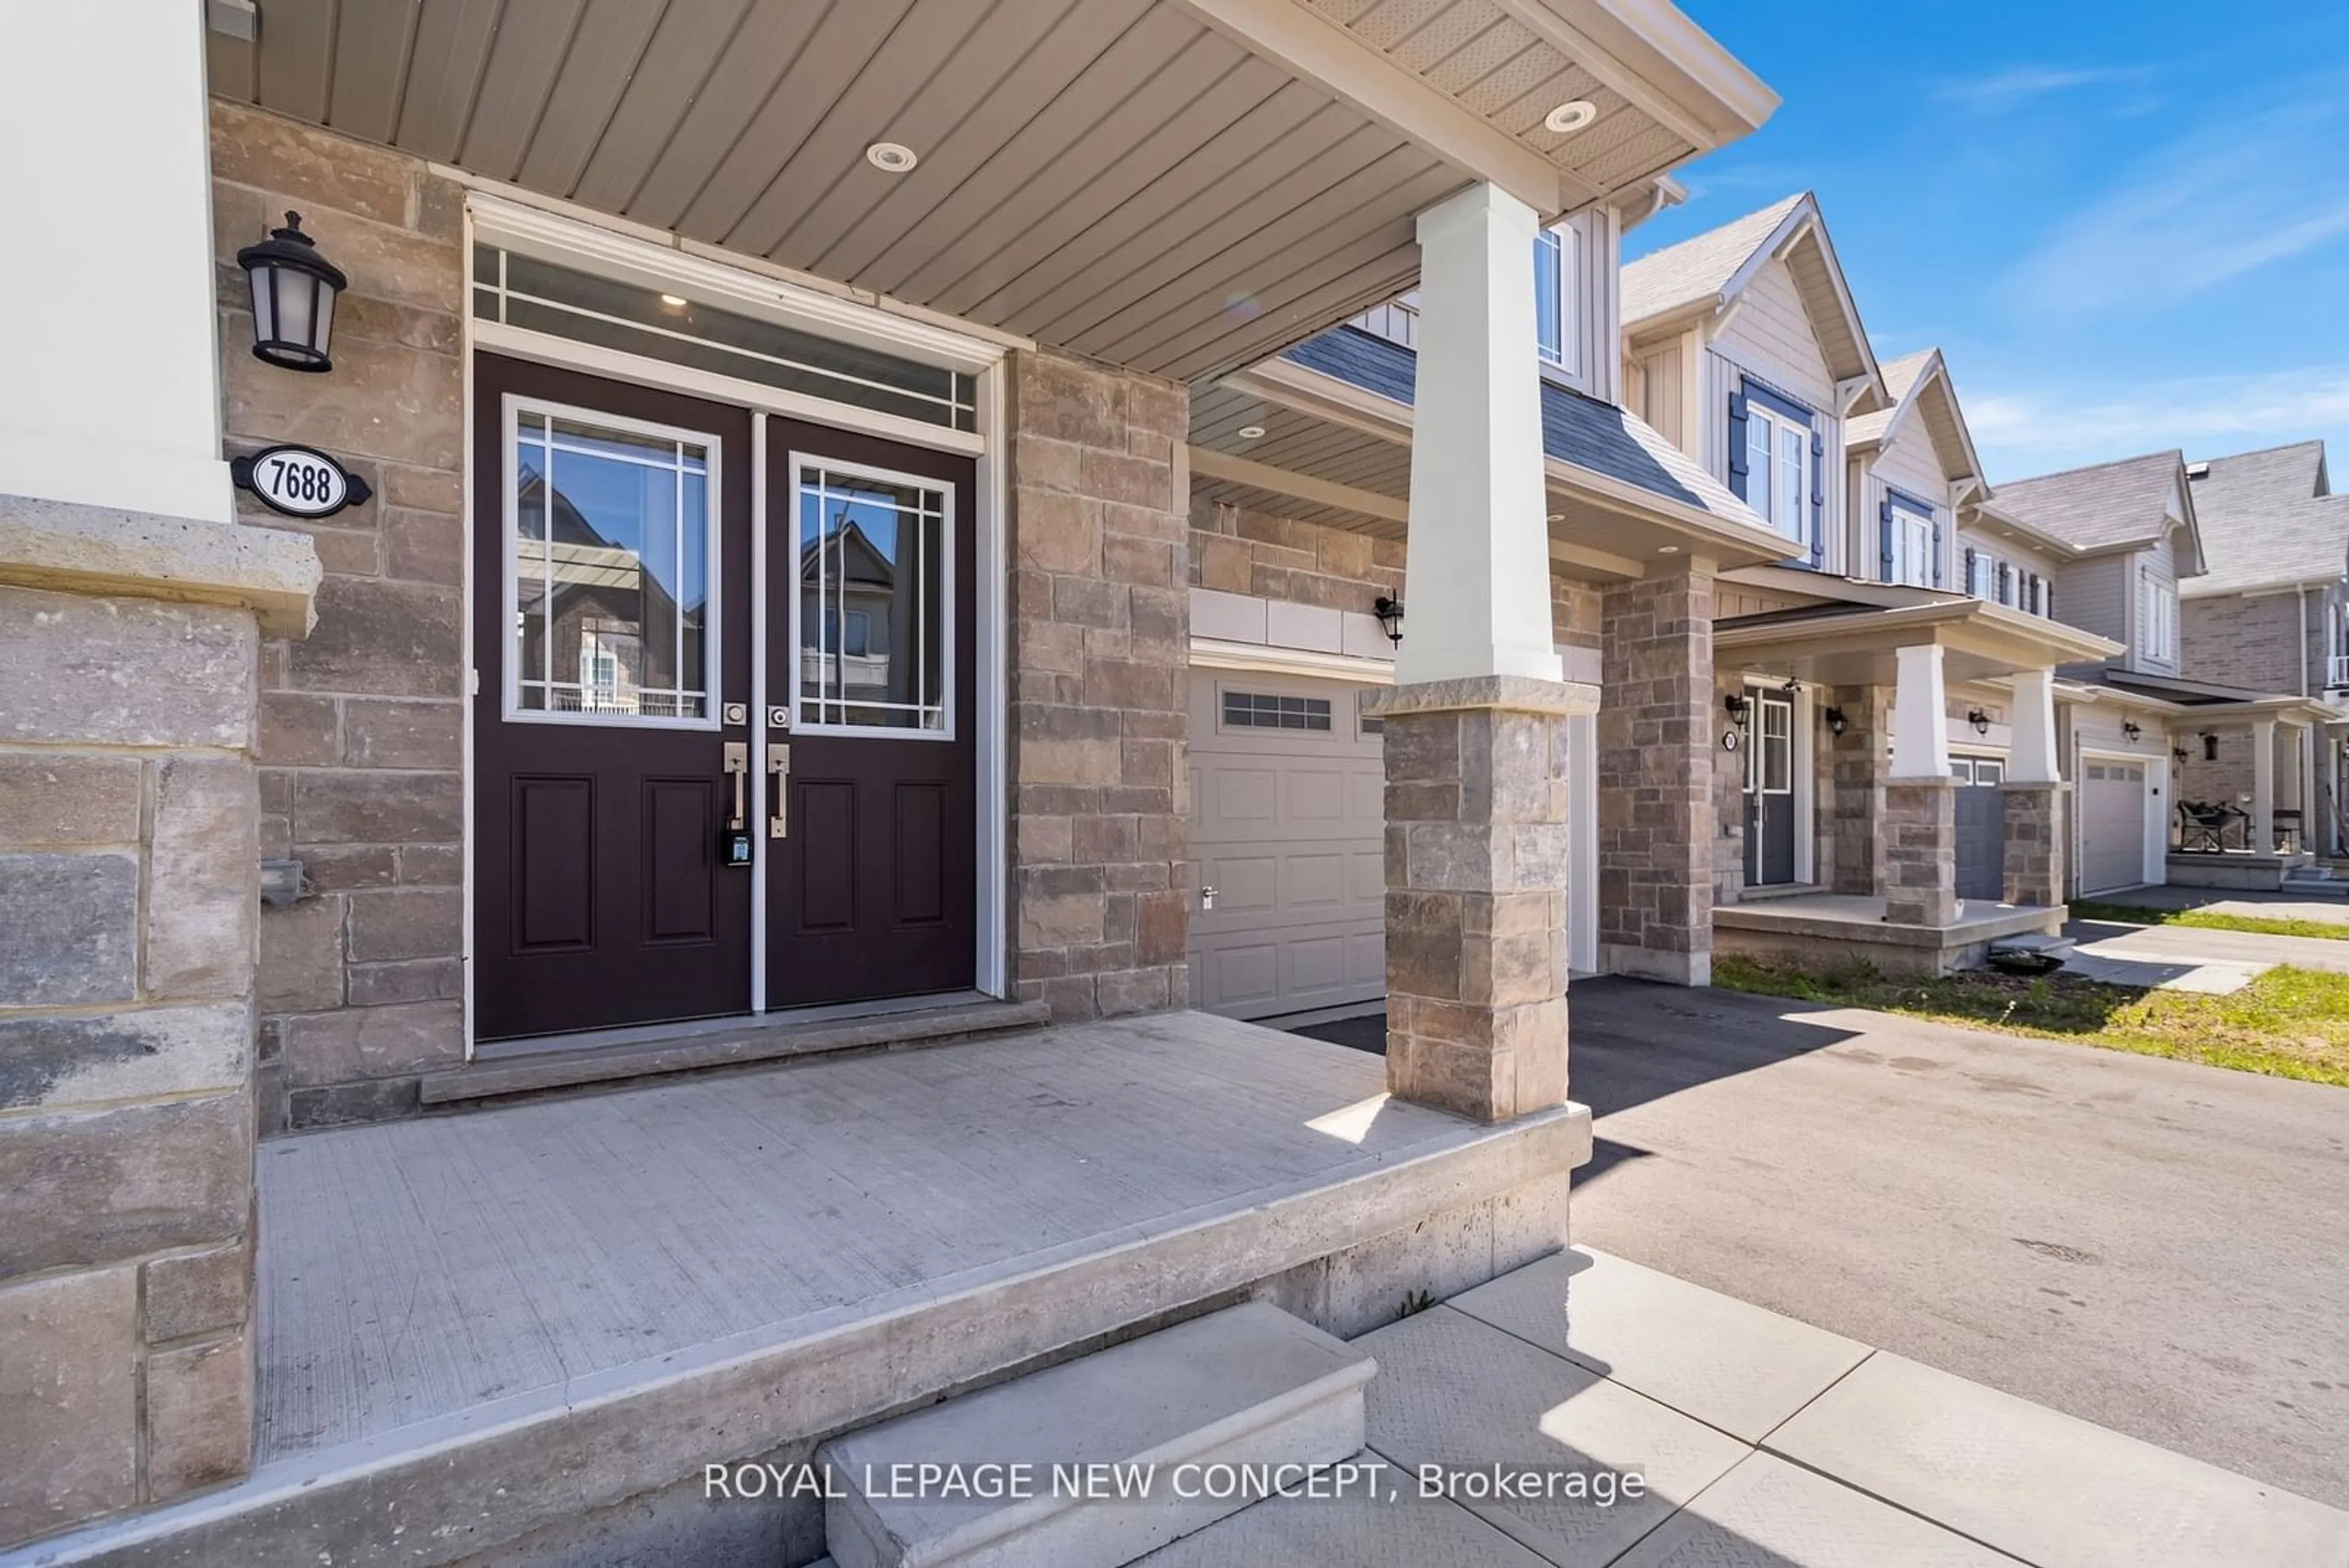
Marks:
<point>1207,897</point>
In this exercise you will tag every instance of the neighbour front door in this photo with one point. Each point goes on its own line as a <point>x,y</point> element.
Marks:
<point>645,653</point>
<point>611,596</point>
<point>1770,792</point>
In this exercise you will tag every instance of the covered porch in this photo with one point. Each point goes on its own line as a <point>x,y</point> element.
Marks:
<point>503,1325</point>
<point>1926,859</point>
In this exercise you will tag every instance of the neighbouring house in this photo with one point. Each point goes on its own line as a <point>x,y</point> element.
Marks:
<point>2128,534</point>
<point>721,536</point>
<point>2271,614</point>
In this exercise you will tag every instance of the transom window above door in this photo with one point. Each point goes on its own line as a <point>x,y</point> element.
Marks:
<point>874,617</point>
<point>610,538</point>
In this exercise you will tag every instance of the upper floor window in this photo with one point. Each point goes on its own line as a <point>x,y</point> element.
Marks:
<point>2157,619</point>
<point>1776,467</point>
<point>1557,281</point>
<point>1982,573</point>
<point>1908,544</point>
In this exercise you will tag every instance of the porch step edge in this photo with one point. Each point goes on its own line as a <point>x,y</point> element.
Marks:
<point>770,1041</point>
<point>1249,1385</point>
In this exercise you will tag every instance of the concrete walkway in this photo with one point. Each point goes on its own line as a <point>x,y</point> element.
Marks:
<point>2186,958</point>
<point>1759,1441</point>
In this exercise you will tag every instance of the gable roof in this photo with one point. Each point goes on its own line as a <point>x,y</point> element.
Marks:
<point>1918,387</point>
<point>1705,274</point>
<point>2269,520</point>
<point>2106,506</point>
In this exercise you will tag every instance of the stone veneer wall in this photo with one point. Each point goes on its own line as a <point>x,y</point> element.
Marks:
<point>1728,821</point>
<point>1855,798</point>
<point>1656,744</point>
<point>1101,634</point>
<point>361,724</point>
<point>2036,841</point>
<point>127,841</point>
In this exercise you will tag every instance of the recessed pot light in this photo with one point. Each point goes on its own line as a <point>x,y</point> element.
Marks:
<point>1571,116</point>
<point>1250,433</point>
<point>891,157</point>
<point>1668,549</point>
<point>674,301</point>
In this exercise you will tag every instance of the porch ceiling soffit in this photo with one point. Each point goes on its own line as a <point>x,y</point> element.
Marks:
<point>1654,509</point>
<point>1859,647</point>
<point>1179,186</point>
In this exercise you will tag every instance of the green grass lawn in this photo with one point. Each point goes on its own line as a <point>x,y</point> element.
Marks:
<point>2208,920</point>
<point>2288,1023</point>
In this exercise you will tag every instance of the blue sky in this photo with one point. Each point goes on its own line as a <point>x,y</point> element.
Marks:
<point>2127,226</point>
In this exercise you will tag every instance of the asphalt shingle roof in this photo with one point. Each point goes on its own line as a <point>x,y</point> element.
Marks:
<point>1577,429</point>
<point>1697,269</point>
<point>1900,378</point>
<point>2266,520</point>
<point>2094,508</point>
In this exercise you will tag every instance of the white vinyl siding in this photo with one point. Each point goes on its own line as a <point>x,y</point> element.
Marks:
<point>2094,595</point>
<point>1768,337</point>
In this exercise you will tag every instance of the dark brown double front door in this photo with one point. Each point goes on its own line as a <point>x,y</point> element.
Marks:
<point>693,726</point>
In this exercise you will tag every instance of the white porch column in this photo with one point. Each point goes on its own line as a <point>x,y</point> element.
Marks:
<point>2263,786</point>
<point>110,399</point>
<point>1476,569</point>
<point>2033,759</point>
<point>1920,713</point>
<point>2291,787</point>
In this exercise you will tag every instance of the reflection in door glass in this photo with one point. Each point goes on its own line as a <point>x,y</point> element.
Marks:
<point>611,571</point>
<point>872,563</point>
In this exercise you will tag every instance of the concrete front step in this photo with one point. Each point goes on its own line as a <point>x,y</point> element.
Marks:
<point>646,1052</point>
<point>1249,1385</point>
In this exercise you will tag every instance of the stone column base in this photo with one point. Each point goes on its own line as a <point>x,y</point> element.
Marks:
<point>2034,843</point>
<point>1920,852</point>
<point>1475,902</point>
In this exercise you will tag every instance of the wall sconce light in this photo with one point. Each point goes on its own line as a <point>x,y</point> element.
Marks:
<point>1836,722</point>
<point>1739,710</point>
<point>1390,614</point>
<point>1979,721</point>
<point>1792,686</point>
<point>2209,747</point>
<point>2132,728</point>
<point>293,290</point>
<point>2178,756</point>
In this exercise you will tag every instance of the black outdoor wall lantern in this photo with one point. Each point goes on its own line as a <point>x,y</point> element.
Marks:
<point>2209,747</point>
<point>1739,708</point>
<point>293,290</point>
<point>2177,754</point>
<point>2132,728</point>
<point>1836,722</point>
<point>1390,614</point>
<point>1979,721</point>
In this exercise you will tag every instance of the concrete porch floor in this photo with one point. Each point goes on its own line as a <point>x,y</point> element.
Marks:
<point>1824,926</point>
<point>484,1326</point>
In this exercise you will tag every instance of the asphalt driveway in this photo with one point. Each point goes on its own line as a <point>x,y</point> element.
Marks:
<point>2153,1246</point>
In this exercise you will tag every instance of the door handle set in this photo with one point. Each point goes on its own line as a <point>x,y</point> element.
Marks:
<point>738,768</point>
<point>779,765</point>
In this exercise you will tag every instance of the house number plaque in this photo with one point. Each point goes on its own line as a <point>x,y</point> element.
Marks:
<point>299,481</point>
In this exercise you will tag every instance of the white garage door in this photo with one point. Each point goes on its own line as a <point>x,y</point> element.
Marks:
<point>1288,826</point>
<point>2112,825</point>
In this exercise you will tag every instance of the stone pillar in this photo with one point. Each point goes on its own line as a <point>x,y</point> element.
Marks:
<point>1475,902</point>
<point>1100,632</point>
<point>2034,843</point>
<point>1920,852</point>
<point>132,612</point>
<point>1655,779</point>
<point>1858,787</point>
<point>2263,786</point>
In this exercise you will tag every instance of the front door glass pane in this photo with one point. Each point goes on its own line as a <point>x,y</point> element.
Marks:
<point>873,565</point>
<point>611,571</point>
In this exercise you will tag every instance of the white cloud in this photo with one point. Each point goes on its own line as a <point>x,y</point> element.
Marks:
<point>2038,432</point>
<point>2227,198</point>
<point>2001,88</point>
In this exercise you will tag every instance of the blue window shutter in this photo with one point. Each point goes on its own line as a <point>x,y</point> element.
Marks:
<point>1884,531</point>
<point>1737,443</point>
<point>1969,584</point>
<point>1937,549</point>
<point>1818,499</point>
<point>2048,601</point>
<point>2005,582</point>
